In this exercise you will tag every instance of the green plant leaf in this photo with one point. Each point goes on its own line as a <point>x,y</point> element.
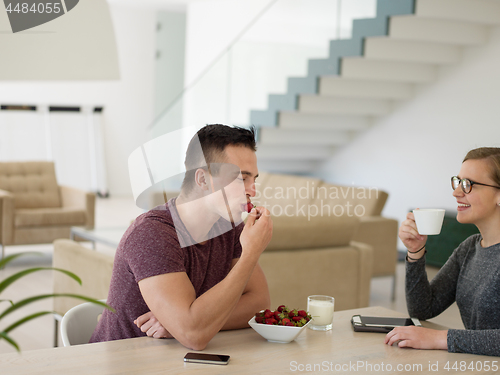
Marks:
<point>15,306</point>
<point>26,319</point>
<point>10,258</point>
<point>29,300</point>
<point>9,340</point>
<point>9,280</point>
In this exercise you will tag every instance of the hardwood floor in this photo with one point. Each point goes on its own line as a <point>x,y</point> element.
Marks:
<point>39,333</point>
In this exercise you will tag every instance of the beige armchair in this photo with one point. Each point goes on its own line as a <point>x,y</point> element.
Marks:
<point>35,209</point>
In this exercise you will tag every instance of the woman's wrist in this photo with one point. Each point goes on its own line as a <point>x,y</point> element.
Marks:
<point>415,252</point>
<point>412,258</point>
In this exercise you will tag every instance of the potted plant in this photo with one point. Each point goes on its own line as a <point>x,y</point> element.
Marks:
<point>13,306</point>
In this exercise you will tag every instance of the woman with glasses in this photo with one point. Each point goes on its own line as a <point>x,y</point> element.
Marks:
<point>470,277</point>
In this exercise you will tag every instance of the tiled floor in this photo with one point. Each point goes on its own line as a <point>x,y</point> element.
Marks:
<point>39,333</point>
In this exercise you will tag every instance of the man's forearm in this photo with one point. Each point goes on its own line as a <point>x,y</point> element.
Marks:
<point>204,316</point>
<point>249,304</point>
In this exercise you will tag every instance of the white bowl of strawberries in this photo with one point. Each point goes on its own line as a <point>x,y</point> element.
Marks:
<point>283,325</point>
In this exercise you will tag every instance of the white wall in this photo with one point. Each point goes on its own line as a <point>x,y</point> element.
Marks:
<point>169,67</point>
<point>276,47</point>
<point>128,102</point>
<point>273,40</point>
<point>413,152</point>
<point>65,48</point>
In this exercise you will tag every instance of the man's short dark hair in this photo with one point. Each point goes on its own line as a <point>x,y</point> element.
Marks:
<point>214,138</point>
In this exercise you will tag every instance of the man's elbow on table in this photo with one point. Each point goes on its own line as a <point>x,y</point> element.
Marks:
<point>194,340</point>
<point>192,332</point>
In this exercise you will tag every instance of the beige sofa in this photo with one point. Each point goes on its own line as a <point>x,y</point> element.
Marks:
<point>317,257</point>
<point>94,268</point>
<point>35,209</point>
<point>314,203</point>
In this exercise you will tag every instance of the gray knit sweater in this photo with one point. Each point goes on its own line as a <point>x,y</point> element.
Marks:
<point>471,277</point>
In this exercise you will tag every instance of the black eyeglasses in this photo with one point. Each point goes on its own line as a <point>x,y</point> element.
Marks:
<point>466,184</point>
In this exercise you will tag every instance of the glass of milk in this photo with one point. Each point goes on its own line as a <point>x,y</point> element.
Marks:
<point>321,310</point>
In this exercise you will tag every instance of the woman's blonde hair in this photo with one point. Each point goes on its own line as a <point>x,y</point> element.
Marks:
<point>492,155</point>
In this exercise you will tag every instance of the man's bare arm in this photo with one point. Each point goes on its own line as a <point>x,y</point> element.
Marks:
<point>195,321</point>
<point>255,297</point>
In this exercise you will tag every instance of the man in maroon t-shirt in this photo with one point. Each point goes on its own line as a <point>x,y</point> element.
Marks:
<point>187,270</point>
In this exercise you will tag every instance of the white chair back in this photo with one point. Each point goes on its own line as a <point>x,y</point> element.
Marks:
<point>78,324</point>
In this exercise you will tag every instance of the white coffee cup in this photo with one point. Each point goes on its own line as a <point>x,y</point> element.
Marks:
<point>429,220</point>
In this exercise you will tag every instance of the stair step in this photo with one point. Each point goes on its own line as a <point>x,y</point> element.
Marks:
<point>356,88</point>
<point>312,121</point>
<point>361,68</point>
<point>385,48</point>
<point>287,152</point>
<point>428,29</point>
<point>339,105</point>
<point>277,136</point>
<point>479,11</point>
<point>267,117</point>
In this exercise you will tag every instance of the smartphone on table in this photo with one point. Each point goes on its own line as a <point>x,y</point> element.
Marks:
<point>362,323</point>
<point>212,359</point>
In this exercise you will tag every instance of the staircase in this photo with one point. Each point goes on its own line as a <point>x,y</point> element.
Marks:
<point>366,77</point>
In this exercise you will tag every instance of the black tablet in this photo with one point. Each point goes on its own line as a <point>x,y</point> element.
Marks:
<point>362,323</point>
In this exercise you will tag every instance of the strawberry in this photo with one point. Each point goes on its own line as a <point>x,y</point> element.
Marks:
<point>283,316</point>
<point>249,207</point>
<point>300,323</point>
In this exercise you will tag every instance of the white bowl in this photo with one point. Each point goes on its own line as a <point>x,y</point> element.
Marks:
<point>274,333</point>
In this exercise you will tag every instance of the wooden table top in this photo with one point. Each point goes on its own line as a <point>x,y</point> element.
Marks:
<point>340,350</point>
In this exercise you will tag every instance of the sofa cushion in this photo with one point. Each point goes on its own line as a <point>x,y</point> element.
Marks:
<point>292,232</point>
<point>33,184</point>
<point>49,216</point>
<point>277,192</point>
<point>342,272</point>
<point>350,200</point>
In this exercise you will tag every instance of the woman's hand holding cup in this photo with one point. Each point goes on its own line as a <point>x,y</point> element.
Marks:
<point>412,240</point>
